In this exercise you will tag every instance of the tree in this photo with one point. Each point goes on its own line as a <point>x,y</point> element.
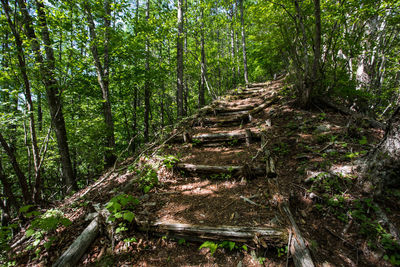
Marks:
<point>179,59</point>
<point>246,75</point>
<point>47,68</point>
<point>102,71</point>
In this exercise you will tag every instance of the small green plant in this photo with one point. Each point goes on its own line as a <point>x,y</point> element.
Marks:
<point>44,224</point>
<point>121,207</point>
<point>224,244</point>
<point>282,251</point>
<point>281,148</point>
<point>363,140</point>
<point>322,116</point>
<point>196,142</point>
<point>148,179</point>
<point>170,161</point>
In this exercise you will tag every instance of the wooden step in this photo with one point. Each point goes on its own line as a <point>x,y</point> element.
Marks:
<point>219,137</point>
<point>234,171</point>
<point>267,235</point>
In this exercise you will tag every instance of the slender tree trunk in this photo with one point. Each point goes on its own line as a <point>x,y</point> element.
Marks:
<point>246,78</point>
<point>29,103</point>
<point>202,101</point>
<point>20,175</point>
<point>179,57</point>
<point>52,90</point>
<point>147,92</point>
<point>233,56</point>
<point>103,77</point>
<point>317,45</point>
<point>186,87</point>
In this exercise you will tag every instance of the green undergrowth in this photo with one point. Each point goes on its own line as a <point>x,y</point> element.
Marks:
<point>334,199</point>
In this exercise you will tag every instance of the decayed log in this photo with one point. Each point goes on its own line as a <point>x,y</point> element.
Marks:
<point>72,255</point>
<point>344,110</point>
<point>270,235</point>
<point>298,249</point>
<point>217,137</point>
<point>233,170</point>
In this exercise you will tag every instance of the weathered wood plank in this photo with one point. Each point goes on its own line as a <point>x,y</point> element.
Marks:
<point>208,169</point>
<point>271,235</point>
<point>298,249</point>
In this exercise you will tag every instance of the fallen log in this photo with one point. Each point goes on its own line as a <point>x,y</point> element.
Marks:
<point>232,170</point>
<point>270,235</point>
<point>373,123</point>
<point>298,248</point>
<point>72,255</point>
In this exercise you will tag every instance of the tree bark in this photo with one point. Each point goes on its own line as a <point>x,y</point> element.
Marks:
<point>246,78</point>
<point>20,175</point>
<point>383,162</point>
<point>179,57</point>
<point>52,91</point>
<point>103,77</point>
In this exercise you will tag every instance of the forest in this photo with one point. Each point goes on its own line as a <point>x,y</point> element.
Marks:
<point>200,132</point>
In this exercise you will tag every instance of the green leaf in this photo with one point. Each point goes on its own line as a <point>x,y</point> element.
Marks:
<point>128,215</point>
<point>244,247</point>
<point>29,232</point>
<point>231,245</point>
<point>146,189</point>
<point>25,208</point>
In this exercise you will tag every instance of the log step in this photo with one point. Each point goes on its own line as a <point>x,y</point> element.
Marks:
<point>218,137</point>
<point>232,170</point>
<point>227,121</point>
<point>270,235</point>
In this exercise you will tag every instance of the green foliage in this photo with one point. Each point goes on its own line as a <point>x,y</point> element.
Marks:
<point>224,244</point>
<point>170,161</point>
<point>281,148</point>
<point>5,237</point>
<point>43,225</point>
<point>148,179</point>
<point>121,207</point>
<point>282,251</point>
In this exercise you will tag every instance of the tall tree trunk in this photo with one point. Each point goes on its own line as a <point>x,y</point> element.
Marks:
<point>179,58</point>
<point>233,56</point>
<point>246,77</point>
<point>29,103</point>
<point>52,91</point>
<point>103,77</point>
<point>202,101</point>
<point>20,175</point>
<point>147,92</point>
<point>317,46</point>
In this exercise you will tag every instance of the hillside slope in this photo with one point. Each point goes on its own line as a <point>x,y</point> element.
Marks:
<point>231,175</point>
